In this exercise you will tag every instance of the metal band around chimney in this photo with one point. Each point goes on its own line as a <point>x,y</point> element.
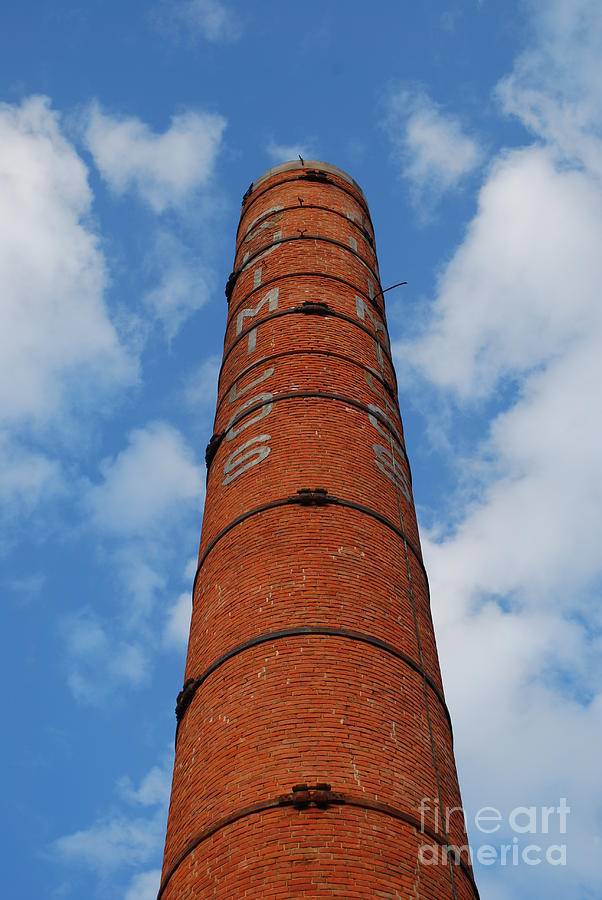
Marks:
<point>337,187</point>
<point>306,352</point>
<point>266,216</point>
<point>301,310</point>
<point>335,798</point>
<point>327,499</point>
<point>313,273</point>
<point>189,689</point>
<point>236,273</point>
<point>315,395</point>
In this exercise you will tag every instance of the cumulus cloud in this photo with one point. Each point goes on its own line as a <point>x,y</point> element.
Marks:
<point>200,389</point>
<point>183,284</point>
<point>177,619</point>
<point>153,789</point>
<point>178,622</point>
<point>430,146</point>
<point>146,483</point>
<point>555,87</point>
<point>172,171</point>
<point>138,562</point>
<point>142,510</point>
<point>144,886</point>
<point>26,476</point>
<point>515,331</point>
<point>524,735</point>
<point>124,839</point>
<point>59,350</point>
<point>208,19</point>
<point>280,153</point>
<point>164,169</point>
<point>97,661</point>
<point>523,286</point>
<point>52,271</point>
<point>112,844</point>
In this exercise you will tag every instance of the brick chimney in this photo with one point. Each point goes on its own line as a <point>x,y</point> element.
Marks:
<point>314,752</point>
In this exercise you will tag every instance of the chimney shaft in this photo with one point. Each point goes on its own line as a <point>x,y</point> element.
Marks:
<point>314,749</point>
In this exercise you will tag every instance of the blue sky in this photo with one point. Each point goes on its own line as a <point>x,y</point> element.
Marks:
<point>128,134</point>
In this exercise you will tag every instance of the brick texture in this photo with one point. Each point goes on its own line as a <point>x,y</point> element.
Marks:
<point>312,654</point>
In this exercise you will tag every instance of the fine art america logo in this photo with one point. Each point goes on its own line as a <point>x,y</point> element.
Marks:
<point>529,826</point>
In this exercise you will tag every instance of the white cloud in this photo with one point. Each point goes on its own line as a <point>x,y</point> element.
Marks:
<point>515,576</point>
<point>112,844</point>
<point>190,569</point>
<point>430,146</point>
<point>153,789</point>
<point>141,510</point>
<point>99,662</point>
<point>555,88</point>
<point>52,271</point>
<point>184,284</point>
<point>280,153</point>
<point>146,483</point>
<point>138,562</point>
<point>524,285</point>
<point>28,587</point>
<point>124,839</point>
<point>178,622</point>
<point>214,20</point>
<point>200,390</point>
<point>144,886</point>
<point>177,619</point>
<point>172,171</point>
<point>26,476</point>
<point>59,351</point>
<point>210,19</point>
<point>517,725</point>
<point>166,169</point>
<point>546,449</point>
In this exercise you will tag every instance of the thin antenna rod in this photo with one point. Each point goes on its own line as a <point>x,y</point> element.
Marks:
<point>399,284</point>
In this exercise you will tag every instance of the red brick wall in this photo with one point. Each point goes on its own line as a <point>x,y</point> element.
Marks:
<point>312,656</point>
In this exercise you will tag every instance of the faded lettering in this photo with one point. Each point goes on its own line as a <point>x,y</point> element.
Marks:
<point>249,312</point>
<point>391,467</point>
<point>364,310</point>
<point>236,392</point>
<point>264,410</point>
<point>245,457</point>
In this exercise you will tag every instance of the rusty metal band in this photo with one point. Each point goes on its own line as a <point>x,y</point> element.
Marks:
<point>263,216</point>
<point>324,500</point>
<point>270,187</point>
<point>302,237</point>
<point>187,694</point>
<point>335,798</point>
<point>300,310</point>
<point>216,439</point>
<point>361,229</point>
<point>272,356</point>
<point>312,274</point>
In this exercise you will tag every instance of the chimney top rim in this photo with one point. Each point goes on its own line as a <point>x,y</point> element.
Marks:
<point>308,164</point>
